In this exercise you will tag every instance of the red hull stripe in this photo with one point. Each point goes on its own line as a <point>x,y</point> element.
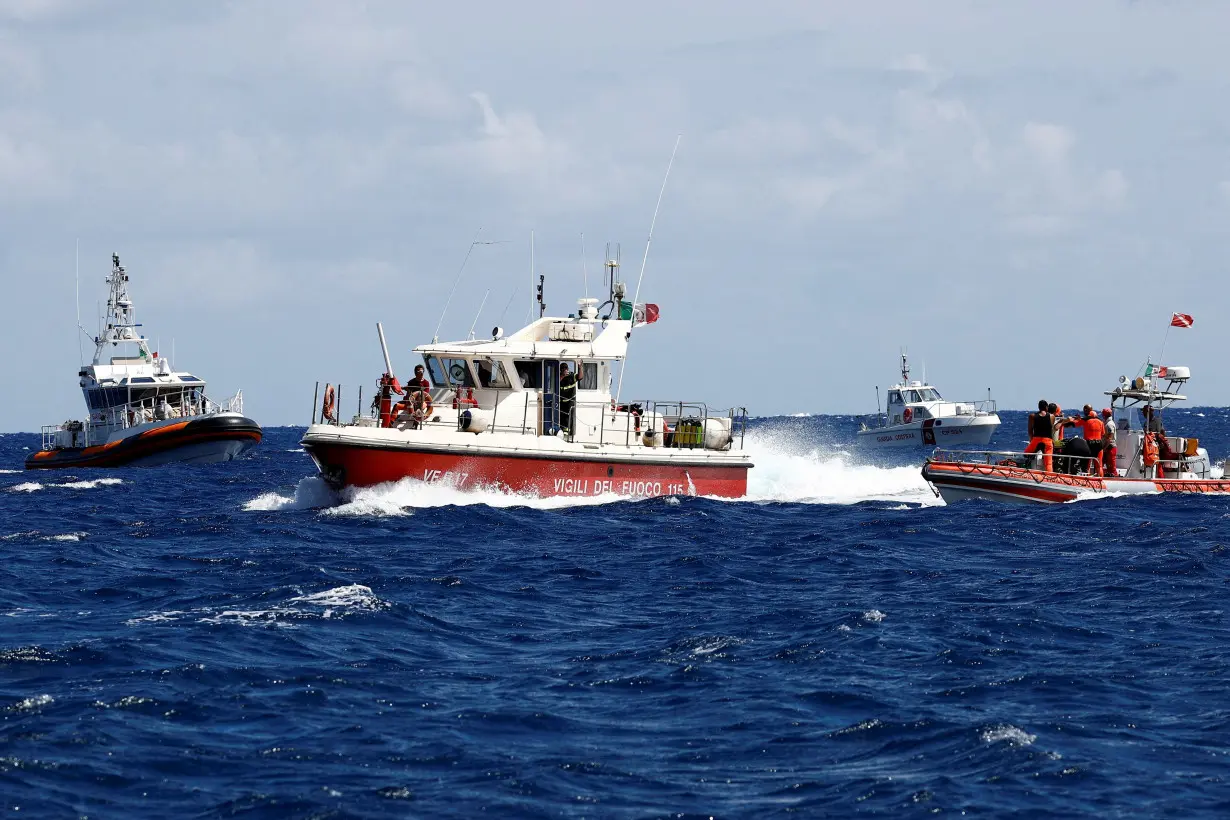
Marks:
<point>365,466</point>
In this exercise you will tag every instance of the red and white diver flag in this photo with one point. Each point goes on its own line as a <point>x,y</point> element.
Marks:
<point>1181,320</point>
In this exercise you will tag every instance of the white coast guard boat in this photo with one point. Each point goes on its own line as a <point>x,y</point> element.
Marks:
<point>1147,460</point>
<point>498,415</point>
<point>916,416</point>
<point>141,411</point>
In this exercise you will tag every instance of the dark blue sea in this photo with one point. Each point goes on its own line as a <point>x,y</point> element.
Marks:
<point>236,641</point>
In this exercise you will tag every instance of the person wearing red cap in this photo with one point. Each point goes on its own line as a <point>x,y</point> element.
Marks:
<point>1110,452</point>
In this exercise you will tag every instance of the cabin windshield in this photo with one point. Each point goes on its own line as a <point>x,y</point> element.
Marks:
<point>458,371</point>
<point>930,394</point>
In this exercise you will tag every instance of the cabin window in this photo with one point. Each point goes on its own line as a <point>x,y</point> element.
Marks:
<point>529,373</point>
<point>912,396</point>
<point>491,373</point>
<point>589,376</point>
<point>434,372</point>
<point>458,372</point>
<point>894,397</point>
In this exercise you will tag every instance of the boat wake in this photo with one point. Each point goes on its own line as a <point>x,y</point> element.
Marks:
<point>789,474</point>
<point>405,496</point>
<point>784,473</point>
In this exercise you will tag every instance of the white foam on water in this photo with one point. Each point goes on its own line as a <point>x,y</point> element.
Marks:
<point>329,603</point>
<point>91,484</point>
<point>310,493</point>
<point>786,474</point>
<point>873,616</point>
<point>30,704</point>
<point>354,597</point>
<point>10,472</point>
<point>94,483</point>
<point>67,536</point>
<point>1009,734</point>
<point>403,497</point>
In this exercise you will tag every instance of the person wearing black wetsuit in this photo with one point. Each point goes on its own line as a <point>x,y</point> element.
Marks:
<point>1041,430</point>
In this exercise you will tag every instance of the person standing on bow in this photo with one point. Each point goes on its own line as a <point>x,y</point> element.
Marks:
<point>1039,426</point>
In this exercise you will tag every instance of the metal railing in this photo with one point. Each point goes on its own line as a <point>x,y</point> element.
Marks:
<point>1066,464</point>
<point>187,403</point>
<point>670,424</point>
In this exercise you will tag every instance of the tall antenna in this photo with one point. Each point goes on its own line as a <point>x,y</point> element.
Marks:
<point>636,295</point>
<point>529,316</point>
<point>584,266</point>
<point>77,296</point>
<point>480,312</point>
<point>507,305</point>
<point>436,336</point>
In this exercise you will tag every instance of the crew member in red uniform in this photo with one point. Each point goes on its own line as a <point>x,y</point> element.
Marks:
<point>1040,427</point>
<point>1093,430</point>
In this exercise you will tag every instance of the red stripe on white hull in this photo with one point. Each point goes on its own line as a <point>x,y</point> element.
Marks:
<point>358,466</point>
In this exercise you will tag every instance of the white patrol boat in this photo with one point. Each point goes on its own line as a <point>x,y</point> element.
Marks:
<point>1146,459</point>
<point>141,411</point>
<point>916,416</point>
<point>502,413</point>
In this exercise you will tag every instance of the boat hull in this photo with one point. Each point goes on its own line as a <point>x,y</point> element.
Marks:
<point>955,431</point>
<point>960,481</point>
<point>202,440</point>
<point>363,465</point>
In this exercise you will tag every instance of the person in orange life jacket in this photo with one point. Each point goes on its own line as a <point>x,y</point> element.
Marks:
<point>1110,452</point>
<point>1039,426</point>
<point>1094,431</point>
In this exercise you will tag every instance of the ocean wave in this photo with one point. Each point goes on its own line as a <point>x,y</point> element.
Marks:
<point>32,704</point>
<point>1007,733</point>
<point>787,473</point>
<point>90,484</point>
<point>404,496</point>
<point>338,602</point>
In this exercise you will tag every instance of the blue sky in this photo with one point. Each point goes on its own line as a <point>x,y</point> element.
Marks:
<point>1019,193</point>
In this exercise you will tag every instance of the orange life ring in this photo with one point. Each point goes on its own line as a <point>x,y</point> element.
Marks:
<point>907,415</point>
<point>326,411</point>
